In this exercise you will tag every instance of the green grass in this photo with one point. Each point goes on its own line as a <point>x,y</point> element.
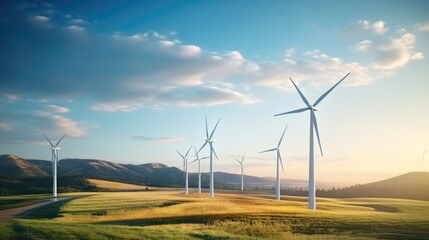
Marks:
<point>170,215</point>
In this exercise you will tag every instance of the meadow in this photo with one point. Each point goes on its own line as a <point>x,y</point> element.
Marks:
<point>169,214</point>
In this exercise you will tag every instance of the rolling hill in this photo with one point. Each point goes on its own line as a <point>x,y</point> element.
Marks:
<point>14,170</point>
<point>413,185</point>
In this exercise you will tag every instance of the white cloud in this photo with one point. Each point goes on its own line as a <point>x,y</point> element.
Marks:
<point>395,52</point>
<point>76,28</point>
<point>363,46</point>
<point>77,21</point>
<point>422,27</point>
<point>58,109</point>
<point>190,50</point>
<point>314,66</point>
<point>158,139</point>
<point>379,27</point>
<point>40,19</point>
<point>166,43</point>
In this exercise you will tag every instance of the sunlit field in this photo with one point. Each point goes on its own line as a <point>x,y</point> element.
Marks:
<point>172,215</point>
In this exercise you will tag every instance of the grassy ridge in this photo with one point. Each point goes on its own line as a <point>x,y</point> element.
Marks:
<point>169,215</point>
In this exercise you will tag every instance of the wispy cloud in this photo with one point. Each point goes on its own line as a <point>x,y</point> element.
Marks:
<point>157,139</point>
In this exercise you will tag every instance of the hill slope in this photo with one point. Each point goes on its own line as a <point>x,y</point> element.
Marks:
<point>413,185</point>
<point>15,167</point>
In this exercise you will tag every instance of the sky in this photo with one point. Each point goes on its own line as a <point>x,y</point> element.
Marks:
<point>132,82</point>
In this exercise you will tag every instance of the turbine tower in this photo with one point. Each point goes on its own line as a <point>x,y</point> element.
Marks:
<point>279,162</point>
<point>210,142</point>
<point>199,168</point>
<point>241,165</point>
<point>55,160</point>
<point>313,125</point>
<point>185,168</point>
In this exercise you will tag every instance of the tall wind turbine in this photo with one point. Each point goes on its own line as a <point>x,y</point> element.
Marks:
<point>210,142</point>
<point>199,168</point>
<point>55,160</point>
<point>279,162</point>
<point>185,168</point>
<point>313,125</point>
<point>241,165</point>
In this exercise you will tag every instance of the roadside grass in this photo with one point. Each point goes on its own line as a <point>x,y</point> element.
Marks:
<point>172,215</point>
<point>117,186</point>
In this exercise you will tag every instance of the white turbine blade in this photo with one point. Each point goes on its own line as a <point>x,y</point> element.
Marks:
<point>313,116</point>
<point>269,150</point>
<point>196,153</point>
<point>214,129</point>
<point>214,153</point>
<point>326,93</point>
<point>242,159</point>
<point>205,143</point>
<point>180,154</point>
<point>186,155</point>
<point>204,158</point>
<point>207,130</point>
<point>294,111</point>
<point>52,145</point>
<point>300,93</point>
<point>280,158</point>
<point>60,140</point>
<point>424,153</point>
<point>280,142</point>
<point>237,160</point>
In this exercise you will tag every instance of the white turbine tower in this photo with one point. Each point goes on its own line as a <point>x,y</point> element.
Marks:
<point>55,160</point>
<point>241,165</point>
<point>313,125</point>
<point>199,168</point>
<point>210,142</point>
<point>279,162</point>
<point>185,168</point>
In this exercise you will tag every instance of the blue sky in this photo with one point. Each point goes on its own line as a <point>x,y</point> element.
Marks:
<point>132,82</point>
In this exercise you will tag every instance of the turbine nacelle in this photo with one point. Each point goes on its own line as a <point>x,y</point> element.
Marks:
<point>314,108</point>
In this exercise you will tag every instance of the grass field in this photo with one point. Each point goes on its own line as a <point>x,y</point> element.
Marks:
<point>172,215</point>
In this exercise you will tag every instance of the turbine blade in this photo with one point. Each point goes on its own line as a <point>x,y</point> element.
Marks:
<point>326,93</point>
<point>196,153</point>
<point>215,153</point>
<point>194,161</point>
<point>280,158</point>
<point>300,93</point>
<point>214,129</point>
<point>52,145</point>
<point>269,150</point>
<point>280,142</point>
<point>60,140</point>
<point>294,111</point>
<point>207,130</point>
<point>180,154</point>
<point>186,155</point>
<point>237,160</point>
<point>204,158</point>
<point>313,116</point>
<point>205,143</point>
<point>424,152</point>
<point>242,159</point>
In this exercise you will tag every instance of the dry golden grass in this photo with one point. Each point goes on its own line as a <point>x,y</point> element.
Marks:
<point>117,186</point>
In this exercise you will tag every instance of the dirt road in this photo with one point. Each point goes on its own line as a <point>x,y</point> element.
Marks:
<point>22,211</point>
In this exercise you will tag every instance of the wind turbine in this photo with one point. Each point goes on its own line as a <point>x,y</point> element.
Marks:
<point>55,160</point>
<point>199,168</point>
<point>313,125</point>
<point>185,168</point>
<point>210,142</point>
<point>279,161</point>
<point>241,164</point>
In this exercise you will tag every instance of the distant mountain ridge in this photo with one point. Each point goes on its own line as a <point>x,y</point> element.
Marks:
<point>414,185</point>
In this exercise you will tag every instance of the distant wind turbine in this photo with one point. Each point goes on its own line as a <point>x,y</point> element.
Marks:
<point>55,160</point>
<point>313,125</point>
<point>210,142</point>
<point>241,165</point>
<point>199,168</point>
<point>279,162</point>
<point>185,168</point>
